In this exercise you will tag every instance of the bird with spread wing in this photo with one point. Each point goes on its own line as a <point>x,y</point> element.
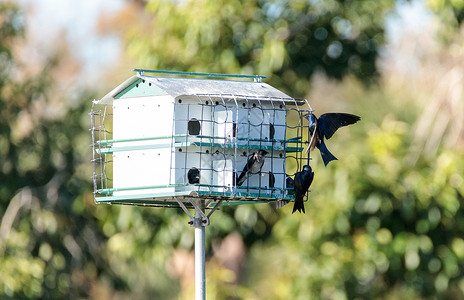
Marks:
<point>324,127</point>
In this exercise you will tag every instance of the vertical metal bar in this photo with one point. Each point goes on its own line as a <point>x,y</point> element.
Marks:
<point>284,106</point>
<point>260,146</point>
<point>213,135</point>
<point>173,142</point>
<point>101,137</point>
<point>272,144</point>
<point>248,144</point>
<point>104,161</point>
<point>200,278</point>
<point>92,126</point>
<point>202,126</point>
<point>226,140</point>
<point>186,146</point>
<point>235,135</point>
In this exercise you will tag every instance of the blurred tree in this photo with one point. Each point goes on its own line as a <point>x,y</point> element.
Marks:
<point>50,242</point>
<point>287,40</point>
<point>450,11</point>
<point>378,225</point>
<point>381,227</point>
<point>387,232</point>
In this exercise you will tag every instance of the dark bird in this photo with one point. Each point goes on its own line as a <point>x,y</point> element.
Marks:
<point>289,184</point>
<point>271,131</point>
<point>253,166</point>
<point>271,180</point>
<point>302,182</point>
<point>193,175</point>
<point>324,127</point>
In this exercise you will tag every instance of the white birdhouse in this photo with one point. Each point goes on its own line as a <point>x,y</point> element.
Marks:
<point>161,140</point>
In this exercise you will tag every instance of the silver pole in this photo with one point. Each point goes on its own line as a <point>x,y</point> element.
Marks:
<point>200,291</point>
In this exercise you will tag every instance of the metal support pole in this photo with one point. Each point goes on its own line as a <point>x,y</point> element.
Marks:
<point>200,290</point>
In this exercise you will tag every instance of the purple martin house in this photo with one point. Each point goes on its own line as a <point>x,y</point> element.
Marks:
<point>163,138</point>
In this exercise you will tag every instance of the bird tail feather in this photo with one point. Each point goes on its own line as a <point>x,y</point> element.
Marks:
<point>326,155</point>
<point>299,204</point>
<point>241,179</point>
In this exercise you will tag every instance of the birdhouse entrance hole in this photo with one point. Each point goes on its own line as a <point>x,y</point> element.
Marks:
<point>193,127</point>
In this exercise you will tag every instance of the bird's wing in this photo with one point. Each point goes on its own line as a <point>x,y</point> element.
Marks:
<point>246,168</point>
<point>330,122</point>
<point>310,180</point>
<point>271,179</point>
<point>297,184</point>
<point>271,131</point>
<point>249,163</point>
<point>289,183</point>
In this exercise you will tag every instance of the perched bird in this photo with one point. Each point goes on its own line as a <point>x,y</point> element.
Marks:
<point>325,126</point>
<point>289,184</point>
<point>253,166</point>
<point>271,179</point>
<point>271,131</point>
<point>303,180</point>
<point>234,177</point>
<point>193,175</point>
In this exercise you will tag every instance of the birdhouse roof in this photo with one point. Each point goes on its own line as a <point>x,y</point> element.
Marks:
<point>181,86</point>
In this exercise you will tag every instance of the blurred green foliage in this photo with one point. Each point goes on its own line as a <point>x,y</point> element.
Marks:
<point>50,239</point>
<point>451,11</point>
<point>378,227</point>
<point>286,40</point>
<point>380,224</point>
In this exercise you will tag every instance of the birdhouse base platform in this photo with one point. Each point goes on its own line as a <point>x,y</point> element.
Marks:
<point>210,198</point>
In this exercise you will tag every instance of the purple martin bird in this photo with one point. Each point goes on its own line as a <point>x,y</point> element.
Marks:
<point>271,180</point>
<point>302,182</point>
<point>289,184</point>
<point>193,175</point>
<point>271,131</point>
<point>325,126</point>
<point>253,166</point>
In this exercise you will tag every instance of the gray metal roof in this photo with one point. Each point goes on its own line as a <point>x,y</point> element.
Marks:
<point>181,86</point>
<point>193,86</point>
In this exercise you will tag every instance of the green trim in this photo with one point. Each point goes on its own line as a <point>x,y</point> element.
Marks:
<point>244,195</point>
<point>140,88</point>
<point>143,147</point>
<point>256,147</point>
<point>112,190</point>
<point>173,204</point>
<point>141,196</point>
<point>108,142</point>
<point>292,140</point>
<point>229,145</point>
<point>111,150</point>
<point>127,89</point>
<point>241,187</point>
<point>199,74</point>
<point>153,198</point>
